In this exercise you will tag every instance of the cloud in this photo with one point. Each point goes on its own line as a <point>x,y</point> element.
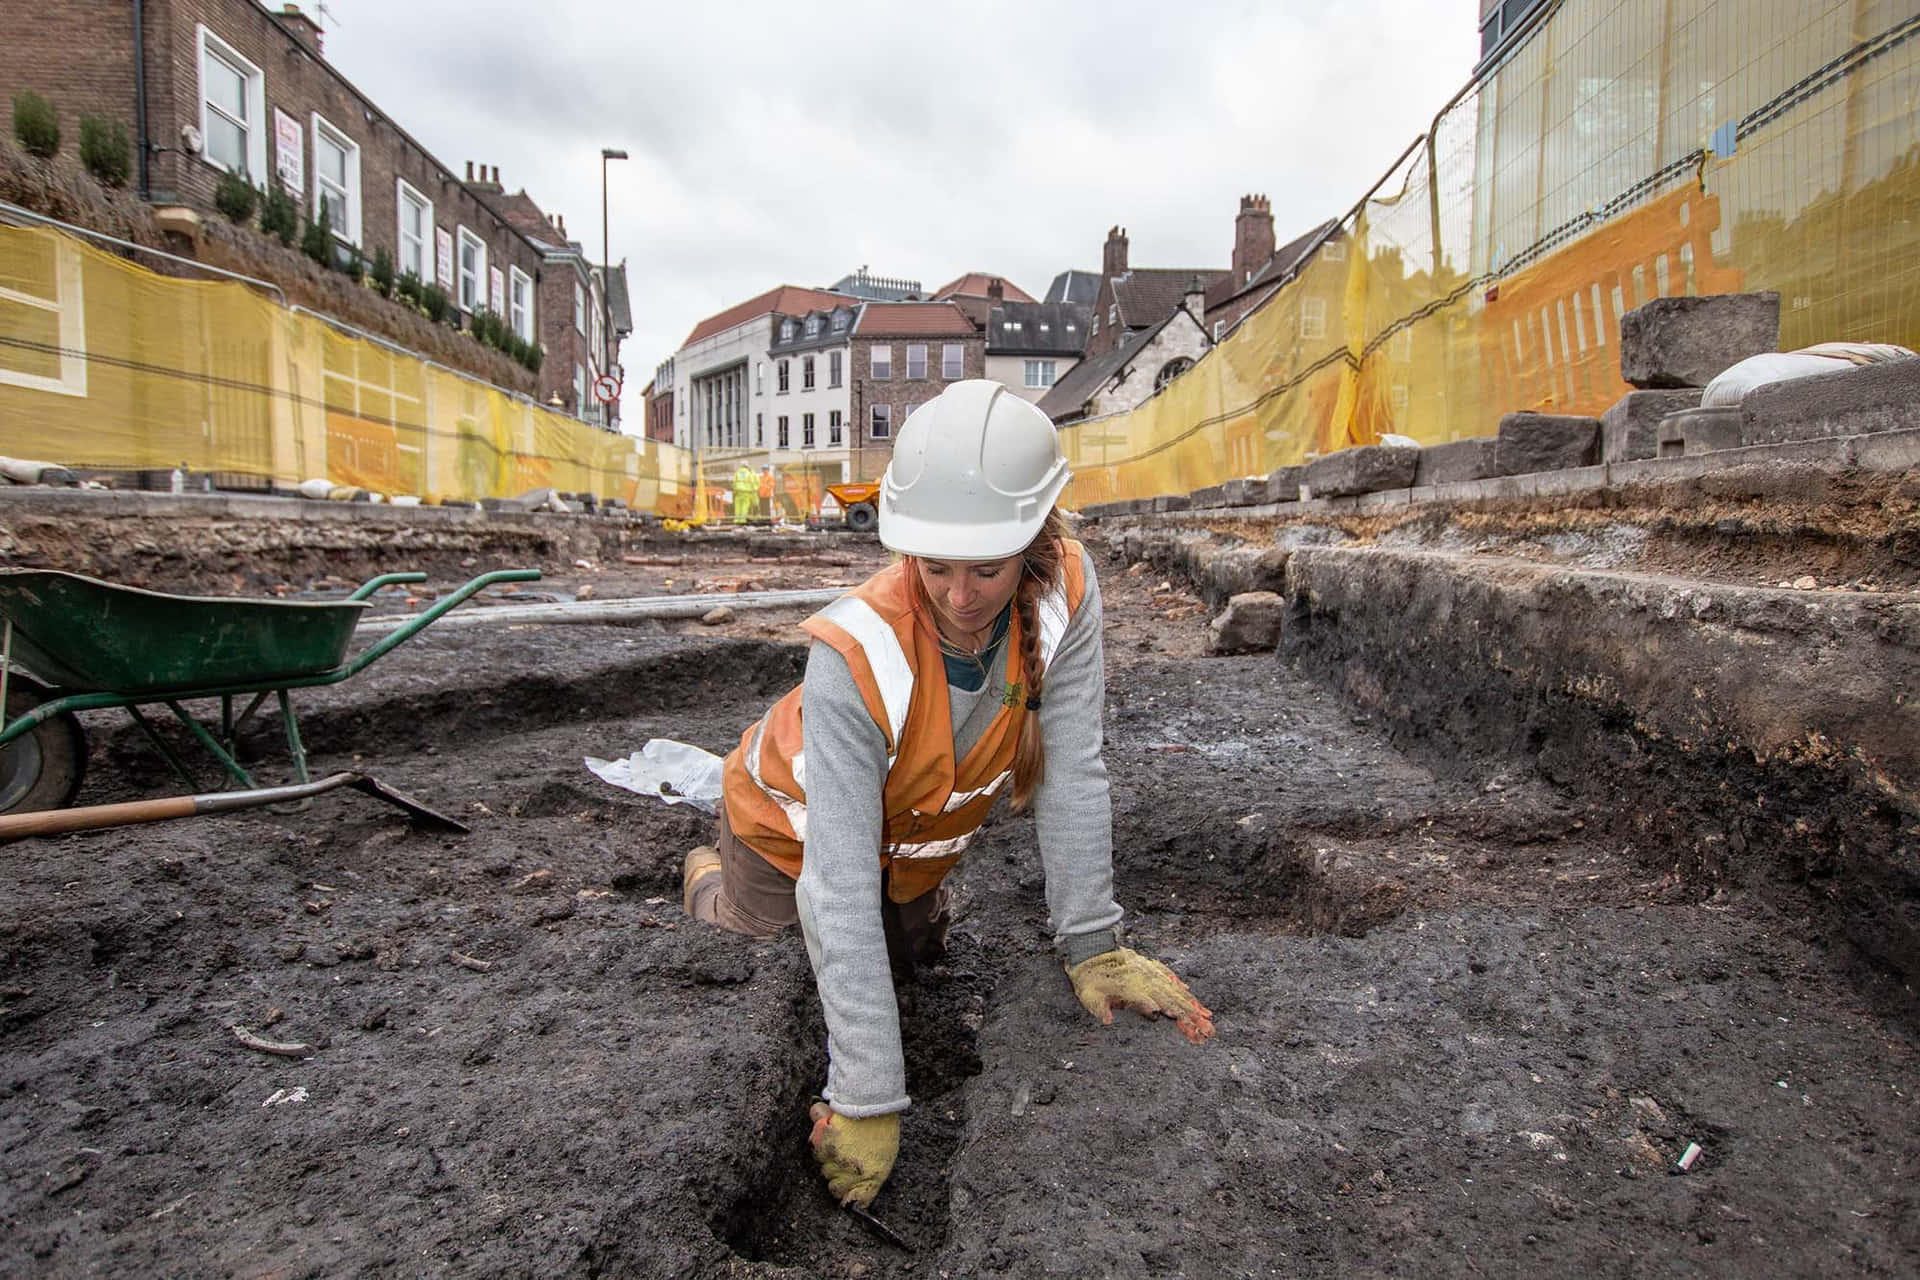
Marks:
<point>779,143</point>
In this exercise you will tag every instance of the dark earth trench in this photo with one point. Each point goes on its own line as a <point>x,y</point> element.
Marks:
<point>1460,1032</point>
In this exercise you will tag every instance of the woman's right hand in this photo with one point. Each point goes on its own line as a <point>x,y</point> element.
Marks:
<point>856,1153</point>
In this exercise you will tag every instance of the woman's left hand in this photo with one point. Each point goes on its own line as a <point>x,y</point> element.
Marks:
<point>1125,979</point>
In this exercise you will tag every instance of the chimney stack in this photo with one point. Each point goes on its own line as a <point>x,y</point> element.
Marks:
<point>305,29</point>
<point>996,292</point>
<point>1113,258</point>
<point>469,171</point>
<point>1253,243</point>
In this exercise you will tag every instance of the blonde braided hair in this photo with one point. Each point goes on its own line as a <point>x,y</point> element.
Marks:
<point>1040,569</point>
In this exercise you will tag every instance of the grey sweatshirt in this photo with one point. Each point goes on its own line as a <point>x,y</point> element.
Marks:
<point>839,891</point>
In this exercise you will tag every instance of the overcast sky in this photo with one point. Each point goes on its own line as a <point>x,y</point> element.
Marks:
<point>784,143</point>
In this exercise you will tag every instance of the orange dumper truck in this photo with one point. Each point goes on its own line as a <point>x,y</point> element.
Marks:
<point>859,504</point>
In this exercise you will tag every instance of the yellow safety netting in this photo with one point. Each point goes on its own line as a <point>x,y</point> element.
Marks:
<point>105,365</point>
<point>1624,150</point>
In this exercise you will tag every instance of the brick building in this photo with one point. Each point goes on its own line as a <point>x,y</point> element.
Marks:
<point>1259,267</point>
<point>904,354</point>
<point>1134,299</point>
<point>658,399</point>
<point>573,310</point>
<point>217,86</point>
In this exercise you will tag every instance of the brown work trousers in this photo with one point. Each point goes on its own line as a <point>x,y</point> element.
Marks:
<point>754,897</point>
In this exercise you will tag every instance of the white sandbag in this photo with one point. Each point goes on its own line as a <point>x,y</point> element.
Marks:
<point>1731,387</point>
<point>28,471</point>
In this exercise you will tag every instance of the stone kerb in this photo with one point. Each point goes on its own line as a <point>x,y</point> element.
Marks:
<point>1457,460</point>
<point>1687,342</point>
<point>1630,430</point>
<point>1283,485</point>
<point>1852,402</point>
<point>1695,431</point>
<point>1546,442</point>
<point>1365,469</point>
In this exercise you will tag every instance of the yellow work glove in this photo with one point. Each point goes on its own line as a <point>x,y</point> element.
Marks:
<point>856,1153</point>
<point>1125,979</point>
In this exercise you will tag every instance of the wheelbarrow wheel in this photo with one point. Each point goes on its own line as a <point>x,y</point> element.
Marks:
<point>42,769</point>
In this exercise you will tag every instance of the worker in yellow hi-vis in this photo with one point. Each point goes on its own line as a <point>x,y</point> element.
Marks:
<point>746,490</point>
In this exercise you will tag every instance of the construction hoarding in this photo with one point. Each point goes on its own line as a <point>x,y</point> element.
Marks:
<point>106,365</point>
<point>1619,150</point>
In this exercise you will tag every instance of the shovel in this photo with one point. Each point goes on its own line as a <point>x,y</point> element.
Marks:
<point>94,817</point>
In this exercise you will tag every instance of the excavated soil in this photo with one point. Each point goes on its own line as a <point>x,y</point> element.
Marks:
<point>1460,1033</point>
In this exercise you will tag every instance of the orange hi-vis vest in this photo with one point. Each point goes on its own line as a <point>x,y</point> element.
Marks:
<point>933,804</point>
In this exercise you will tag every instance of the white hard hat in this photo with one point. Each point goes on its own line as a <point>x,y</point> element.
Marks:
<point>975,471</point>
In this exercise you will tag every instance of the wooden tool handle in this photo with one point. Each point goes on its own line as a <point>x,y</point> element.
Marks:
<point>50,822</point>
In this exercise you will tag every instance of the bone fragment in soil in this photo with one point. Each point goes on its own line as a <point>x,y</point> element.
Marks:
<point>279,1048</point>
<point>470,962</point>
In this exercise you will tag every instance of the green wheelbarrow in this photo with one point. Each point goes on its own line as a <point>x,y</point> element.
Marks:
<point>70,643</point>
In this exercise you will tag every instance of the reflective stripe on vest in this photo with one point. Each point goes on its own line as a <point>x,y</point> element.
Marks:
<point>891,669</point>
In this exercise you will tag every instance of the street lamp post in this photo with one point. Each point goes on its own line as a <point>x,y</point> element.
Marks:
<point>606,269</point>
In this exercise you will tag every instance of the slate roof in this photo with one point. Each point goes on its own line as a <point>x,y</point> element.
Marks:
<point>1074,286</point>
<point>1148,295</point>
<point>1285,259</point>
<point>1038,329</point>
<point>913,320</point>
<point>787,299</point>
<point>974,285</point>
<point>1070,395</point>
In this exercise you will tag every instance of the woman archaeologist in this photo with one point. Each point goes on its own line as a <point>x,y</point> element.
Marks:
<point>971,666</point>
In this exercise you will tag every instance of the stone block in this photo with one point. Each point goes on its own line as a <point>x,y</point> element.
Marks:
<point>1546,442</point>
<point>1697,431</point>
<point>1852,402</point>
<point>1283,485</point>
<point>1457,460</point>
<point>1214,495</point>
<point>1366,469</point>
<point>1247,491</point>
<point>1685,342</point>
<point>1630,430</point>
<point>1171,502</point>
<point>1250,623</point>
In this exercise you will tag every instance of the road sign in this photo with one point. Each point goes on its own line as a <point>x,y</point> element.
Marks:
<point>606,388</point>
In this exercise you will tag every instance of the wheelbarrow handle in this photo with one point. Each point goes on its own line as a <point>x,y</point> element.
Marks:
<point>398,637</point>
<point>372,585</point>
